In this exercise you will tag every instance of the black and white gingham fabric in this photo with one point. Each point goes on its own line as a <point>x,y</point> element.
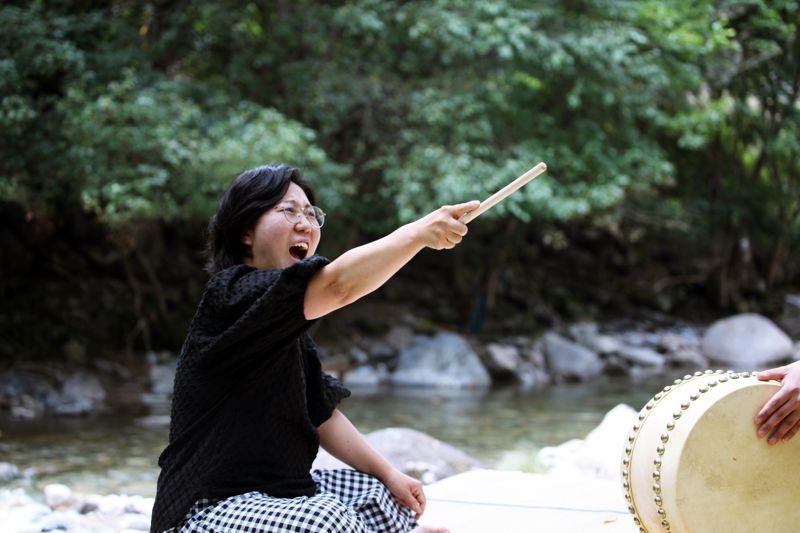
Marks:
<point>346,501</point>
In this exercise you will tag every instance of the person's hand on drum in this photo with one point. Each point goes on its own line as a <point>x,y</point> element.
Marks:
<point>780,416</point>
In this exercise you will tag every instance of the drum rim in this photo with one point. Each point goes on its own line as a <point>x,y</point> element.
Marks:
<point>717,377</point>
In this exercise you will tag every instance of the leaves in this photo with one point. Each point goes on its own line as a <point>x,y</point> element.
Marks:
<point>687,109</point>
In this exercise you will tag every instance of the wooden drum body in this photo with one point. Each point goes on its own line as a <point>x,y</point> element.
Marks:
<point>693,462</point>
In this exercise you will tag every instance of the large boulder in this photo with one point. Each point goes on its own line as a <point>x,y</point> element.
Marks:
<point>570,360</point>
<point>596,456</point>
<point>413,453</point>
<point>746,341</point>
<point>444,360</point>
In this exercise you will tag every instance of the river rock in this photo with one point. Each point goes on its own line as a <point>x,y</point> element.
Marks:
<point>81,393</point>
<point>20,512</point>
<point>134,523</point>
<point>73,512</point>
<point>376,349</point>
<point>502,358</point>
<point>689,357</point>
<point>366,376</point>
<point>598,455</point>
<point>57,496</point>
<point>26,394</point>
<point>444,360</point>
<point>413,453</point>
<point>32,393</point>
<point>641,338</point>
<point>8,472</point>
<point>569,360</point>
<point>641,356</point>
<point>746,341</point>
<point>588,334</point>
<point>162,376</point>
<point>400,337</point>
<point>62,520</point>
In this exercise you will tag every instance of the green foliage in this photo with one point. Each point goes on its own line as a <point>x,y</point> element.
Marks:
<point>738,138</point>
<point>91,126</point>
<point>36,67</point>
<point>437,102</point>
<point>147,150</point>
<point>680,113</point>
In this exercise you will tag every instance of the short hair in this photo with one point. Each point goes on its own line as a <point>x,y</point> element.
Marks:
<point>253,192</point>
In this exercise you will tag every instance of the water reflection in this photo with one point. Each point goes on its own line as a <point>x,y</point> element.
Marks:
<point>491,424</point>
<point>115,454</point>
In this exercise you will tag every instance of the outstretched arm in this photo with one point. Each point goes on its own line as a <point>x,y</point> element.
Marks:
<point>342,440</point>
<point>361,270</point>
<point>780,416</point>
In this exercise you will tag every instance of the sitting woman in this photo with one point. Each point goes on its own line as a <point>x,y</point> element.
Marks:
<point>251,405</point>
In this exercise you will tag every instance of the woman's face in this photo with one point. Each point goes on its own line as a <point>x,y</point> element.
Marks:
<point>277,243</point>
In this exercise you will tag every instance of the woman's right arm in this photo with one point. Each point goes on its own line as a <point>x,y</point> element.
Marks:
<point>361,270</point>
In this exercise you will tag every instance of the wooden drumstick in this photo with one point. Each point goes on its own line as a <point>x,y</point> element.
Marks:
<point>503,193</point>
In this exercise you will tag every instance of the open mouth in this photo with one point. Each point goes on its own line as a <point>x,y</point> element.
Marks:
<point>299,250</point>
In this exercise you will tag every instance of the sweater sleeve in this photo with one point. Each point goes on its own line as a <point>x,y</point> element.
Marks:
<point>331,393</point>
<point>323,391</point>
<point>246,311</point>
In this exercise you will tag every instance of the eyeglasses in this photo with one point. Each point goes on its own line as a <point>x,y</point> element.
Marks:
<point>314,215</point>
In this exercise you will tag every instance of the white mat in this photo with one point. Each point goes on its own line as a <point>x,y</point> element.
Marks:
<point>511,502</point>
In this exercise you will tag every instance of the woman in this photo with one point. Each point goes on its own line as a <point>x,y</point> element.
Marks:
<point>251,405</point>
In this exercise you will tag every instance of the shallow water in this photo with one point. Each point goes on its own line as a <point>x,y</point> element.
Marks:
<point>503,428</point>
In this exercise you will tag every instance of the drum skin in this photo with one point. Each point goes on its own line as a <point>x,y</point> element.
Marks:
<point>693,462</point>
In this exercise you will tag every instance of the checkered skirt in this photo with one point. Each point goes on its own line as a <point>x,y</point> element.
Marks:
<point>346,501</point>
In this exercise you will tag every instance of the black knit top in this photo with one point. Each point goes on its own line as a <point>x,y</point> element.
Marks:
<point>249,394</point>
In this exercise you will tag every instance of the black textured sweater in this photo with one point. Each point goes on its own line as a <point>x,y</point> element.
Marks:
<point>249,394</point>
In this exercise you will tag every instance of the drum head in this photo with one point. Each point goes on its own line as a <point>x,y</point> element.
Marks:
<point>694,462</point>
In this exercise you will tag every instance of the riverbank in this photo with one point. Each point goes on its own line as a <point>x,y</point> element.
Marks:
<point>450,473</point>
<point>411,356</point>
<point>508,423</point>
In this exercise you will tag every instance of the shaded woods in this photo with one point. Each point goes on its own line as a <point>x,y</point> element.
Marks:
<point>670,132</point>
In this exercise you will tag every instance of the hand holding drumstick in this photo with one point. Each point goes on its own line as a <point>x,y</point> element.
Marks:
<point>445,227</point>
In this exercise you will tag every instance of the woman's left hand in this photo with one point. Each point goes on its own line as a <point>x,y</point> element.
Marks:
<point>407,490</point>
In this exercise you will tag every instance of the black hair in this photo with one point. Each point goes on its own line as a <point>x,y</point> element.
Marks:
<point>252,193</point>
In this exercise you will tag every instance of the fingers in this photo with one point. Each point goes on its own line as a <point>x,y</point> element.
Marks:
<point>445,228</point>
<point>787,398</point>
<point>415,499</point>
<point>792,432</point>
<point>772,413</point>
<point>452,216</point>
<point>773,373</point>
<point>419,494</point>
<point>460,210</point>
<point>787,424</point>
<point>783,418</point>
<point>441,229</point>
<point>774,403</point>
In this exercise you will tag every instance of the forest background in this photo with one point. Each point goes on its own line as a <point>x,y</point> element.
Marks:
<point>671,131</point>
